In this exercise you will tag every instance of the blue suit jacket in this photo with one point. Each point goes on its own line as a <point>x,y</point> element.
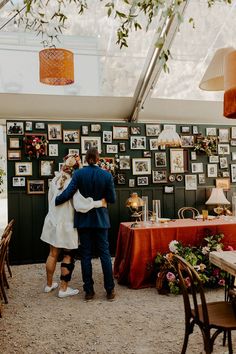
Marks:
<point>93,182</point>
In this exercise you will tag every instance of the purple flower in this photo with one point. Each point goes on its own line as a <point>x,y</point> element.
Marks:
<point>170,276</point>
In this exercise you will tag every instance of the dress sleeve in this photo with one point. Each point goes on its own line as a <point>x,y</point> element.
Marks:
<point>83,205</point>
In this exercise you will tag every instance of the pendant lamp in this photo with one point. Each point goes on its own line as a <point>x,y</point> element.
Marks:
<point>56,66</point>
<point>230,85</point>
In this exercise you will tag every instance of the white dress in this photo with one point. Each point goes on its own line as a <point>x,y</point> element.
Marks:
<point>58,229</point>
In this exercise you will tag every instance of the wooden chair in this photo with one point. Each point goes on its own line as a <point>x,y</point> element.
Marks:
<point>8,228</point>
<point>219,316</point>
<point>3,279</point>
<point>188,212</point>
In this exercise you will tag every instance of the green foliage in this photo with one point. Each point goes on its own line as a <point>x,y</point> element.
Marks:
<point>198,257</point>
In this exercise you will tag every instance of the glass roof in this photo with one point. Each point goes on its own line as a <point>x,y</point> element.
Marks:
<point>193,49</point>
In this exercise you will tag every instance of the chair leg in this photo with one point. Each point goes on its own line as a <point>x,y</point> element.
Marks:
<point>3,290</point>
<point>5,280</point>
<point>8,264</point>
<point>188,330</point>
<point>230,342</point>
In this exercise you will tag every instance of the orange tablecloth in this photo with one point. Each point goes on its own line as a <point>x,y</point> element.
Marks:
<point>137,247</point>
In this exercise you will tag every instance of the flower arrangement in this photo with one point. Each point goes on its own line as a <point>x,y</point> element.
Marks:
<point>211,276</point>
<point>35,146</point>
<point>206,144</point>
<point>108,164</point>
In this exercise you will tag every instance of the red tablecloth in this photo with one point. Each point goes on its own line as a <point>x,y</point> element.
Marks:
<point>137,247</point>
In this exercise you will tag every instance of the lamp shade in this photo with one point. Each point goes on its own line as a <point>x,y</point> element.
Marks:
<point>230,85</point>
<point>169,137</point>
<point>217,197</point>
<point>56,66</point>
<point>213,79</point>
<point>134,201</point>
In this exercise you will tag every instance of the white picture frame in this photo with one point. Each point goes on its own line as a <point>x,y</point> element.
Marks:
<point>23,169</point>
<point>142,181</point>
<point>233,172</point>
<point>160,159</point>
<point>201,178</point>
<point>159,176</point>
<point>223,135</point>
<point>88,142</point>
<point>28,126</point>
<point>190,182</point>
<point>223,149</point>
<point>211,131</point>
<point>153,129</point>
<point>112,149</point>
<point>120,132</point>
<point>52,149</point>
<point>138,142</point>
<point>73,151</point>
<point>54,131</point>
<point>213,159</point>
<point>193,155</point>
<point>197,167</point>
<point>107,137</point>
<point>141,166</point>
<point>71,136</point>
<point>187,140</point>
<point>176,161</point>
<point>233,132</point>
<point>18,182</point>
<point>223,162</point>
<point>233,155</point>
<point>15,128</point>
<point>131,182</point>
<point>212,170</point>
<point>124,162</point>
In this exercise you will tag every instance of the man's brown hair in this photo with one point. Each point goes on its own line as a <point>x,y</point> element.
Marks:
<point>92,156</point>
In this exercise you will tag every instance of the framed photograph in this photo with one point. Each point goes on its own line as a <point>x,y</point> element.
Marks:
<point>223,183</point>
<point>193,155</point>
<point>185,130</point>
<point>223,162</point>
<point>233,155</point>
<point>107,137</point>
<point>160,159</point>
<point>195,130</point>
<point>54,132</point>
<point>233,132</point>
<point>35,186</point>
<point>73,151</point>
<point>212,170</point>
<point>121,179</point>
<point>15,128</point>
<point>18,181</point>
<point>225,174</point>
<point>211,131</point>
<point>131,182</point>
<point>96,127</point>
<point>122,147</point>
<point>223,149</point>
<point>223,135</point>
<point>28,126</point>
<point>46,168</point>
<point>84,130</point>
<point>153,144</point>
<point>197,167</point>
<point>112,149</point>
<point>170,126</point>
<point>120,133</point>
<point>136,130</point>
<point>88,142</point>
<point>159,176</point>
<point>138,142</point>
<point>147,154</point>
<point>141,166</point>
<point>53,149</point>
<point>23,168</point>
<point>187,140</point>
<point>142,181</point>
<point>168,189</point>
<point>39,125</point>
<point>176,161</point>
<point>190,182</point>
<point>233,142</point>
<point>14,154</point>
<point>124,163</point>
<point>153,129</point>
<point>14,143</point>
<point>233,172</point>
<point>71,136</point>
<point>201,178</point>
<point>213,159</point>
<point>60,166</point>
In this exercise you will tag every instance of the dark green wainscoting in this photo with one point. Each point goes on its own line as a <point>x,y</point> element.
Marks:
<point>29,214</point>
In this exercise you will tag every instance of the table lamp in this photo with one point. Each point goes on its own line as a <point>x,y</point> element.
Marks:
<point>218,198</point>
<point>134,202</point>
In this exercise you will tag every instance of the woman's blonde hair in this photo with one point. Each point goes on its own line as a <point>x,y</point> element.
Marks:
<point>71,163</point>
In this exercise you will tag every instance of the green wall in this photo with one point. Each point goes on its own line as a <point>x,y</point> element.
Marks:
<point>29,210</point>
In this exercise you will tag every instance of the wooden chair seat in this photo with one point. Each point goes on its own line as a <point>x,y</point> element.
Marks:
<point>220,314</point>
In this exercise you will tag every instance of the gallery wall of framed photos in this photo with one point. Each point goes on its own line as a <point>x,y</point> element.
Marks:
<point>176,176</point>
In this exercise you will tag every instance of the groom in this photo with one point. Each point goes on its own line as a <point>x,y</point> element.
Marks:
<point>93,226</point>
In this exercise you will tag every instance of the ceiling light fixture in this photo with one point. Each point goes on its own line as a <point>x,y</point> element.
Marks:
<point>56,66</point>
<point>169,137</point>
<point>230,85</point>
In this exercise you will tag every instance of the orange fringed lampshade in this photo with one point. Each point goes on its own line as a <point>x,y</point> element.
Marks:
<point>230,85</point>
<point>56,66</point>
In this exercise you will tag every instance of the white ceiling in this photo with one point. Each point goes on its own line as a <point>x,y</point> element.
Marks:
<point>175,97</point>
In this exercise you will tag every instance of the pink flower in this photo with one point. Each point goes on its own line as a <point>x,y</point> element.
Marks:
<point>187,282</point>
<point>170,276</point>
<point>216,272</point>
<point>221,282</point>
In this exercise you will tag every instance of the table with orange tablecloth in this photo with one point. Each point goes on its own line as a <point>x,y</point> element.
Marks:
<point>138,247</point>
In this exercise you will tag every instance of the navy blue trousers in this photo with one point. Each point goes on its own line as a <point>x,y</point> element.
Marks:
<point>99,237</point>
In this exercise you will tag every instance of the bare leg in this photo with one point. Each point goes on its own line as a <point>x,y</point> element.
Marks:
<point>51,264</point>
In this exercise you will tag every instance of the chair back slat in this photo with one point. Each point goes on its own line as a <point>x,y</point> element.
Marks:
<point>3,250</point>
<point>193,292</point>
<point>8,228</point>
<point>188,212</point>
